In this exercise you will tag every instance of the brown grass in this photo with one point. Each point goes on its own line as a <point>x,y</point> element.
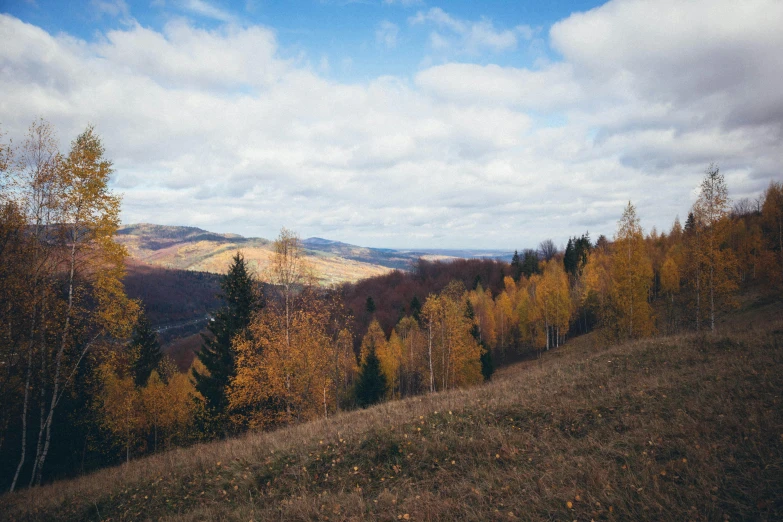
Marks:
<point>677,428</point>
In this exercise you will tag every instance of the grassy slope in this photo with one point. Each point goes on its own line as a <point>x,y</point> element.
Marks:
<point>186,248</point>
<point>685,427</point>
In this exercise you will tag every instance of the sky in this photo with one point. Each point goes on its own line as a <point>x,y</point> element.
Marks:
<point>404,123</point>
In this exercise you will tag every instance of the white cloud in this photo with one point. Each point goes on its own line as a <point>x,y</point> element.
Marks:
<point>113,8</point>
<point>214,129</point>
<point>469,37</point>
<point>386,34</point>
<point>207,10</point>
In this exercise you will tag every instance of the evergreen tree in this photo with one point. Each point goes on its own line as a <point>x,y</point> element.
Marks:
<point>369,305</point>
<point>217,353</point>
<point>569,258</point>
<point>530,262</point>
<point>516,266</point>
<point>487,363</point>
<point>145,340</point>
<point>371,384</point>
<point>415,308</point>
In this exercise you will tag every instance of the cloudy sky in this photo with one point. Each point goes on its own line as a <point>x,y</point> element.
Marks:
<point>404,123</point>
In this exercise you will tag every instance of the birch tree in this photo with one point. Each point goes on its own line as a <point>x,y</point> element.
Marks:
<point>719,264</point>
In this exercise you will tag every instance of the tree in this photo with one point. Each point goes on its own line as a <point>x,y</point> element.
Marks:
<point>530,263</point>
<point>631,279</point>
<point>516,266</point>
<point>415,308</point>
<point>155,403</point>
<point>145,344</point>
<point>554,303</point>
<point>370,305</point>
<point>217,354</point>
<point>711,211</point>
<point>121,407</point>
<point>371,384</point>
<point>94,306</point>
<point>670,285</point>
<point>547,249</point>
<point>452,352</point>
<point>289,271</point>
<point>772,220</point>
<point>487,363</point>
<point>413,355</point>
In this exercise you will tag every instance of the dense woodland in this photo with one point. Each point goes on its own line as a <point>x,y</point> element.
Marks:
<point>84,382</point>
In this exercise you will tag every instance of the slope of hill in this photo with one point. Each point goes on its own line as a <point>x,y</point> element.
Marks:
<point>189,248</point>
<point>671,428</point>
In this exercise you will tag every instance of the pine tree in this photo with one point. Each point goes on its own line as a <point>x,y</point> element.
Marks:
<point>569,259</point>
<point>145,340</point>
<point>516,266</point>
<point>369,305</point>
<point>371,385</point>
<point>530,262</point>
<point>217,353</point>
<point>415,308</point>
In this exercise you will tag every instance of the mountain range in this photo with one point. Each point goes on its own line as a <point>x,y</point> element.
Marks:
<point>191,248</point>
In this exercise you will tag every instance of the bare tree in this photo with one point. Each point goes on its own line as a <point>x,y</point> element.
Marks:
<point>547,249</point>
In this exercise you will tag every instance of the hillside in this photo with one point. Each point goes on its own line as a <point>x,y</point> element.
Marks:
<point>190,248</point>
<point>669,428</point>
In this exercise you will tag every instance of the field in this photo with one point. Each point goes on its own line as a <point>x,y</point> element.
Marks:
<point>687,427</point>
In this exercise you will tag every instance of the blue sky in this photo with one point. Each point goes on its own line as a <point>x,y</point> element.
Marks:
<point>401,123</point>
<point>359,39</point>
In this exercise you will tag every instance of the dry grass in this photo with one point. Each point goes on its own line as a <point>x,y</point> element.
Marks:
<point>686,427</point>
<point>215,257</point>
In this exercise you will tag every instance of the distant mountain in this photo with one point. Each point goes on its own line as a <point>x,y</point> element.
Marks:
<point>191,248</point>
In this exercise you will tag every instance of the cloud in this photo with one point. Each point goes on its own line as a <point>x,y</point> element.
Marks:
<point>386,34</point>
<point>207,10</point>
<point>112,8</point>
<point>213,128</point>
<point>468,37</point>
<point>404,3</point>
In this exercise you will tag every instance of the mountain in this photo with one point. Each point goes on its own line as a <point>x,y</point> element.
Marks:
<point>195,249</point>
<point>190,248</point>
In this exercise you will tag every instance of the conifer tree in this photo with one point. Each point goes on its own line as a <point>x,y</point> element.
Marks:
<point>530,262</point>
<point>217,354</point>
<point>145,340</point>
<point>516,266</point>
<point>371,384</point>
<point>415,308</point>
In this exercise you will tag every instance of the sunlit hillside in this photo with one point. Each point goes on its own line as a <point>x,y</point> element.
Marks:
<point>189,248</point>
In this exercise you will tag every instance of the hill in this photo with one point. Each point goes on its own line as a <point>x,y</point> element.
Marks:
<point>190,248</point>
<point>668,428</point>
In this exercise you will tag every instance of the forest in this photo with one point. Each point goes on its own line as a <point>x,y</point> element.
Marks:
<point>85,384</point>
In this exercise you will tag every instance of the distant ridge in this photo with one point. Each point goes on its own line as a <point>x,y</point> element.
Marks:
<point>193,248</point>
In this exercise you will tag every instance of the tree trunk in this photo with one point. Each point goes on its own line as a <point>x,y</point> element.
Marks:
<point>24,419</point>
<point>432,374</point>
<point>58,363</point>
